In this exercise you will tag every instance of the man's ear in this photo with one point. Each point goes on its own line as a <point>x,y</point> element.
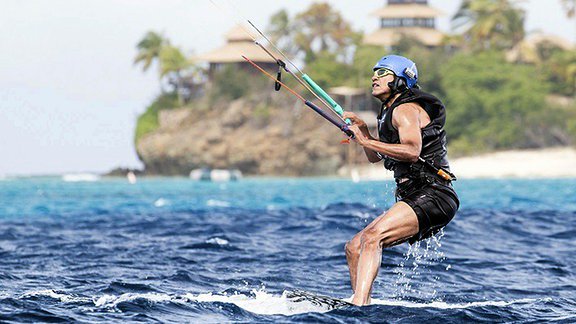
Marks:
<point>398,85</point>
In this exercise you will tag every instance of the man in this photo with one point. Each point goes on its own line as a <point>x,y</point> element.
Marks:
<point>412,143</point>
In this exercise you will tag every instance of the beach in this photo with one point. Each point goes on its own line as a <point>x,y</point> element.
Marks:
<point>557,162</point>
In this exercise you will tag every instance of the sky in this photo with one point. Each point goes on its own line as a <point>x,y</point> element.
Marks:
<point>70,94</point>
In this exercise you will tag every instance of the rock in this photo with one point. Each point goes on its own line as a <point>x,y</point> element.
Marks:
<point>244,135</point>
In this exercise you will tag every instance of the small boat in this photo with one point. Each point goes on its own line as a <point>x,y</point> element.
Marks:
<point>216,175</point>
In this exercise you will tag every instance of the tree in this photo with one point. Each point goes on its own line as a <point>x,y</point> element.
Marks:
<point>281,32</point>
<point>490,24</point>
<point>172,63</point>
<point>490,102</point>
<point>149,49</point>
<point>322,29</point>
<point>561,70</point>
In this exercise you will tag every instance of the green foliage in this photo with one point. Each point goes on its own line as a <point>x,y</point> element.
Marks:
<point>327,71</point>
<point>490,24</point>
<point>148,121</point>
<point>489,101</point>
<point>172,60</point>
<point>321,29</point>
<point>560,69</point>
<point>233,82</point>
<point>429,62</point>
<point>230,83</point>
<point>280,31</point>
<point>365,57</point>
<point>149,48</point>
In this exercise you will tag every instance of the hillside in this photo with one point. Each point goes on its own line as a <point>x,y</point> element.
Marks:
<point>259,136</point>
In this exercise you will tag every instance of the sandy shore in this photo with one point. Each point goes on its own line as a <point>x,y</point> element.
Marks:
<point>542,163</point>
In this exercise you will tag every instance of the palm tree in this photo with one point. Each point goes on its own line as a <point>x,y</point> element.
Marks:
<point>172,62</point>
<point>490,24</point>
<point>149,49</point>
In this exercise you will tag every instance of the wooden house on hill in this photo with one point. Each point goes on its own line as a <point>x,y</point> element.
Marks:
<point>406,18</point>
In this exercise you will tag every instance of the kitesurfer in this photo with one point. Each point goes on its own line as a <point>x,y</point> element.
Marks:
<point>412,142</point>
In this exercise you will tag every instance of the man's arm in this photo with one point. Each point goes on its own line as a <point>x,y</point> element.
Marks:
<point>363,128</point>
<point>406,119</point>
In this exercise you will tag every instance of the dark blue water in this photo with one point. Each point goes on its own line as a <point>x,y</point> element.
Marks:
<point>177,250</point>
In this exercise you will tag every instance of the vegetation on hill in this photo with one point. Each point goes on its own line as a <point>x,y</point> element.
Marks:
<point>493,102</point>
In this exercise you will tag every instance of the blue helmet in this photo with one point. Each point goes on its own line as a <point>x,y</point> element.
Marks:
<point>401,66</point>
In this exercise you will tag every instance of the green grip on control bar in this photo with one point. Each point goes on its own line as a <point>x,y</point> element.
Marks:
<point>319,91</point>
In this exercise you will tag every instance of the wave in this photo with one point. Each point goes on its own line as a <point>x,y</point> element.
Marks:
<point>161,202</point>
<point>217,203</point>
<point>257,301</point>
<point>63,297</point>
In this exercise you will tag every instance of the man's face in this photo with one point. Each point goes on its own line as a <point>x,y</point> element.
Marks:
<point>380,81</point>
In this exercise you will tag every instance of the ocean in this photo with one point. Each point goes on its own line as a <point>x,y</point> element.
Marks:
<point>175,250</point>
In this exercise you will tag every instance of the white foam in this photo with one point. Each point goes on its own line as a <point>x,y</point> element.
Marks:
<point>217,240</point>
<point>259,302</point>
<point>65,298</point>
<point>362,215</point>
<point>161,202</point>
<point>111,301</point>
<point>263,303</point>
<point>444,305</point>
<point>217,203</point>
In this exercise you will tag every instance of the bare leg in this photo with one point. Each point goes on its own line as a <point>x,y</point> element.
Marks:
<point>395,226</point>
<point>352,254</point>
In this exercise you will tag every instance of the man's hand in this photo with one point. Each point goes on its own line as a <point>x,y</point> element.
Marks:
<point>359,136</point>
<point>355,120</point>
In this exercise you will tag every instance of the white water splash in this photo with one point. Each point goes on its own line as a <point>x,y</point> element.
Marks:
<point>111,301</point>
<point>65,298</point>
<point>217,203</point>
<point>416,263</point>
<point>262,303</point>
<point>258,302</point>
<point>161,202</point>
<point>362,215</point>
<point>444,305</point>
<point>217,240</point>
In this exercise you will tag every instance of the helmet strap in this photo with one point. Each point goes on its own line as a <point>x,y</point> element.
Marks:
<point>398,85</point>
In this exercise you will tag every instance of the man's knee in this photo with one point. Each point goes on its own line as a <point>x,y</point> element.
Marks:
<point>374,238</point>
<point>353,246</point>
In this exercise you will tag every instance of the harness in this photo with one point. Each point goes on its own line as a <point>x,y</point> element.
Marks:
<point>433,163</point>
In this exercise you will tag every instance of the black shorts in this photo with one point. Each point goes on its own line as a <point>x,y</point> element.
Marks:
<point>434,203</point>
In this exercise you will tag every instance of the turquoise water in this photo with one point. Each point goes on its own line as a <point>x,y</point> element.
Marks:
<point>178,250</point>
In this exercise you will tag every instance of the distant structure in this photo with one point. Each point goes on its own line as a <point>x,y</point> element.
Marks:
<point>238,42</point>
<point>531,48</point>
<point>406,18</point>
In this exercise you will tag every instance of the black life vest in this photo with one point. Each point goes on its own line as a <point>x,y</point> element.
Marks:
<point>433,135</point>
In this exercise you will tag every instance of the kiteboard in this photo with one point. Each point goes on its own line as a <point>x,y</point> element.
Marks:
<point>330,303</point>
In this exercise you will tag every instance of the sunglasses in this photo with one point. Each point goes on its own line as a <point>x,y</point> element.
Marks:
<point>380,73</point>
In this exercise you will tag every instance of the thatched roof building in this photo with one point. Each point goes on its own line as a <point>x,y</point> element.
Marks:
<point>238,43</point>
<point>406,18</point>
